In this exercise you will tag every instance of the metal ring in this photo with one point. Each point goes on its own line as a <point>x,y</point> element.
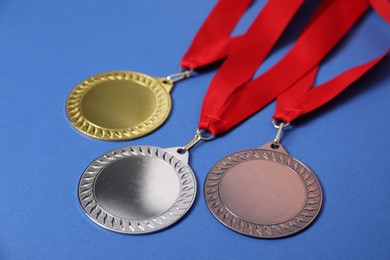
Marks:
<point>200,133</point>
<point>179,76</point>
<point>278,126</point>
<point>183,69</point>
<point>196,139</point>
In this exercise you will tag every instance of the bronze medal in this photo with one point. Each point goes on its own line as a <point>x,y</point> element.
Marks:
<point>264,193</point>
<point>119,105</point>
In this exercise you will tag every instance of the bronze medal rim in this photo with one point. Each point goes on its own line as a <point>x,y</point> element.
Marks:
<point>107,220</point>
<point>294,225</point>
<point>157,118</point>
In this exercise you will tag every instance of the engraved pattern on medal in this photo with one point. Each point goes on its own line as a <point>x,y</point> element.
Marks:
<point>103,218</point>
<point>297,223</point>
<point>161,112</point>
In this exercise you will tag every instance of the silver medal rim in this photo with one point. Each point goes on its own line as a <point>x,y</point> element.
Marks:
<point>295,225</point>
<point>184,201</point>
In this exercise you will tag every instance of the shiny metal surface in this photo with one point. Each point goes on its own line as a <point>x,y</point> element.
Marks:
<point>119,105</point>
<point>137,189</point>
<point>179,76</point>
<point>199,136</point>
<point>263,193</point>
<point>278,136</point>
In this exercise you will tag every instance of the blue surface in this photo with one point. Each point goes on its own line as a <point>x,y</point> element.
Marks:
<point>47,47</point>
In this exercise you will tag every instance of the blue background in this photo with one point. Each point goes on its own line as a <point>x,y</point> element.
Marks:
<point>47,47</point>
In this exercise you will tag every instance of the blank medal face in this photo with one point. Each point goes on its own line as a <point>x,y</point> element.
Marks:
<point>263,193</point>
<point>119,105</point>
<point>269,193</point>
<point>137,189</point>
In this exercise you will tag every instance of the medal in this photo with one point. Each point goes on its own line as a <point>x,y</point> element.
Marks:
<point>142,189</point>
<point>123,105</point>
<point>137,189</point>
<point>263,193</point>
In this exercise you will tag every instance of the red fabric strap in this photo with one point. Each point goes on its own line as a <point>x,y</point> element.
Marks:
<point>382,7</point>
<point>244,60</point>
<point>301,98</point>
<point>213,42</point>
<point>322,34</point>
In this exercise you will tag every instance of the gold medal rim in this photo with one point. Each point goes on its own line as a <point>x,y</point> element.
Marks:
<point>301,221</point>
<point>155,120</point>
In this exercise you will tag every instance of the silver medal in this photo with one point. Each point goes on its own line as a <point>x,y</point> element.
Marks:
<point>137,189</point>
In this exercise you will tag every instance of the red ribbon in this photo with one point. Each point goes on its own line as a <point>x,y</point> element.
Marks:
<point>224,109</point>
<point>244,60</point>
<point>213,42</point>
<point>301,98</point>
<point>382,7</point>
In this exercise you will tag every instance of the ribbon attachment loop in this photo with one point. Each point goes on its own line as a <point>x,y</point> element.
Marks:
<point>199,136</point>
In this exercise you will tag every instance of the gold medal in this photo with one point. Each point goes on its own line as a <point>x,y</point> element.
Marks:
<point>120,105</point>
